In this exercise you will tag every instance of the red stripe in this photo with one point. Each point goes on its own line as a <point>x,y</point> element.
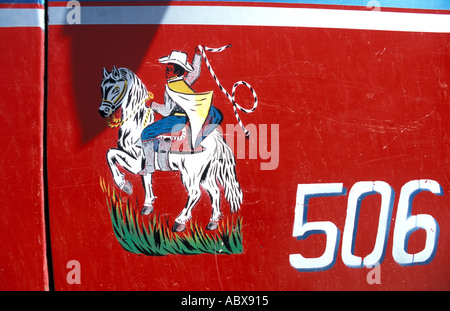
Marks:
<point>248,4</point>
<point>21,6</point>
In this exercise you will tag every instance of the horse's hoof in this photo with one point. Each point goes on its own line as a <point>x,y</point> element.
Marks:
<point>177,227</point>
<point>213,225</point>
<point>147,209</point>
<point>127,188</point>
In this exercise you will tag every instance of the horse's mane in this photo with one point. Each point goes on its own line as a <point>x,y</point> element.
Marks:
<point>133,108</point>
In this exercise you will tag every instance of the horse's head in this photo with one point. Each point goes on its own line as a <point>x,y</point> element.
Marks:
<point>113,87</point>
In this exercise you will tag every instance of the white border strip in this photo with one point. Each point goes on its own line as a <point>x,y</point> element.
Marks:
<point>22,18</point>
<point>255,16</point>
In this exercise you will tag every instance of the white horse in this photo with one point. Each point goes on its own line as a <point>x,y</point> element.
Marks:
<point>122,89</point>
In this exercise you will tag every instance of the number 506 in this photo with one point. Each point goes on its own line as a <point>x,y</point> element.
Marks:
<point>405,224</point>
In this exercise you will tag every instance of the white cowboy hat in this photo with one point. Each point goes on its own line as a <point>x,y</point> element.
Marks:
<point>179,58</point>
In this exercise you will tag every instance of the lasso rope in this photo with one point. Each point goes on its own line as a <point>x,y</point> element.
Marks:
<point>233,90</point>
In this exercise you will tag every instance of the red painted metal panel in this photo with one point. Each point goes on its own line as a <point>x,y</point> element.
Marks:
<point>344,178</point>
<point>340,106</point>
<point>23,263</point>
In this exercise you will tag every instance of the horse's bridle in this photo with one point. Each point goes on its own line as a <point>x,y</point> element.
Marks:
<point>113,105</point>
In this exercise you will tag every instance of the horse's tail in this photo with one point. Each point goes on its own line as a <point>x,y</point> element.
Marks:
<point>223,164</point>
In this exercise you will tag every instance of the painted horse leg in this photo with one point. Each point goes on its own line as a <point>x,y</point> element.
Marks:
<point>210,185</point>
<point>133,165</point>
<point>147,208</point>
<point>185,215</point>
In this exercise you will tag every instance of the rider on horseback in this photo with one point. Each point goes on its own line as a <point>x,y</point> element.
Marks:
<point>175,117</point>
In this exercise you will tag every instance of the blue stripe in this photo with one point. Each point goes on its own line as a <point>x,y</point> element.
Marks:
<point>22,18</point>
<point>403,4</point>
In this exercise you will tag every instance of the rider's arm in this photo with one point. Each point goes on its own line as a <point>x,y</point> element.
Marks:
<point>192,76</point>
<point>166,108</point>
<point>161,109</point>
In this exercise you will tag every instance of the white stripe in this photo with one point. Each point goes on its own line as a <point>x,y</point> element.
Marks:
<point>256,16</point>
<point>22,18</point>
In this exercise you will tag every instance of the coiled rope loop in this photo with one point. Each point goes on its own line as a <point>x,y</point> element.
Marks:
<point>231,97</point>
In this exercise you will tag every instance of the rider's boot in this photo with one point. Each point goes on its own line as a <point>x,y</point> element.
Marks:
<point>148,148</point>
<point>164,146</point>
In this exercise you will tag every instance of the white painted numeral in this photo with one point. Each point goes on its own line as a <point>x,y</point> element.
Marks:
<point>405,224</point>
<point>303,228</point>
<point>358,192</point>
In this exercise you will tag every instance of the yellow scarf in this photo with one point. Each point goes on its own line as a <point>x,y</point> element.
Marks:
<point>180,86</point>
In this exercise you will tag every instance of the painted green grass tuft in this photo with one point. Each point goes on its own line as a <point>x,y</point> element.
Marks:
<point>152,235</point>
